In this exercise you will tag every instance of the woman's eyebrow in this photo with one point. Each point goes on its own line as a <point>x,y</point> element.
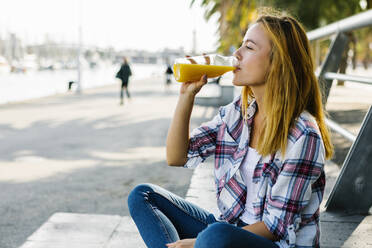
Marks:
<point>249,40</point>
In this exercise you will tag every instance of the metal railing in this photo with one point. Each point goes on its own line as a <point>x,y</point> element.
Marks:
<point>353,189</point>
<point>327,74</point>
<point>348,24</point>
<point>344,77</point>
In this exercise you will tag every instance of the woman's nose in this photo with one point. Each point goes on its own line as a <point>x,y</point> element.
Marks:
<point>236,54</point>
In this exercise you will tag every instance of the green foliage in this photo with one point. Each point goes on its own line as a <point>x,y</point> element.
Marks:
<point>316,13</point>
<point>236,15</point>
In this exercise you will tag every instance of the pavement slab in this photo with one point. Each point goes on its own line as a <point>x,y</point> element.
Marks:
<point>85,230</point>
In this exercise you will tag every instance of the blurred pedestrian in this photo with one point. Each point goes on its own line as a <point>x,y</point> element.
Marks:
<point>168,77</point>
<point>70,83</point>
<point>123,74</point>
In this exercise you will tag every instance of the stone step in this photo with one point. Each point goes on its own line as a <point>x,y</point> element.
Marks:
<point>74,230</point>
<point>202,190</point>
<point>348,231</point>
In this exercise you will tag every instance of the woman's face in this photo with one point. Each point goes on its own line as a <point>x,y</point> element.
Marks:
<point>253,57</point>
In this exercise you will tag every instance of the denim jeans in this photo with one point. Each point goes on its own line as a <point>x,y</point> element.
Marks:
<point>163,217</point>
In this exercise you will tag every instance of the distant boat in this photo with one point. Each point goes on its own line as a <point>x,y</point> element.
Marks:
<point>4,66</point>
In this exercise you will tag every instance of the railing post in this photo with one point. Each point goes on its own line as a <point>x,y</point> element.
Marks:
<point>352,192</point>
<point>332,63</point>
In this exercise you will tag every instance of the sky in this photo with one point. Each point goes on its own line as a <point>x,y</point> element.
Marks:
<point>124,24</point>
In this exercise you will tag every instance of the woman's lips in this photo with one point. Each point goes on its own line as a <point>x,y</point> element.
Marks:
<point>236,70</point>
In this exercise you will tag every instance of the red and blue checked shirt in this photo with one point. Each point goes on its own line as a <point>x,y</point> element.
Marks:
<point>291,187</point>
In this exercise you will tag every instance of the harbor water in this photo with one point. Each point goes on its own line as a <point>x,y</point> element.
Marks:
<point>16,87</point>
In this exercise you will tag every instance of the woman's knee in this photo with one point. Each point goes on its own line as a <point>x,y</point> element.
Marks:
<point>138,194</point>
<point>215,235</point>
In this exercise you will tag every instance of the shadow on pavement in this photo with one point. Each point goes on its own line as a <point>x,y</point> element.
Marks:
<point>338,227</point>
<point>99,189</point>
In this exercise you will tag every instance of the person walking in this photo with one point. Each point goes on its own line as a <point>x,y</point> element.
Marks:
<point>269,146</point>
<point>123,74</point>
<point>168,77</point>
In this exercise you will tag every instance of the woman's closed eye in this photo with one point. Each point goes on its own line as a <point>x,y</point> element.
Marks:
<point>249,48</point>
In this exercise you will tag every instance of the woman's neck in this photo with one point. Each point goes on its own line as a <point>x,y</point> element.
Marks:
<point>258,92</point>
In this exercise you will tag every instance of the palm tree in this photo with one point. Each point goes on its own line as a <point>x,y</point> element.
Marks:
<point>235,16</point>
<point>233,21</point>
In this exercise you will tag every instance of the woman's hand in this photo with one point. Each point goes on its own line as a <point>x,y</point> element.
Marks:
<point>194,87</point>
<point>183,243</point>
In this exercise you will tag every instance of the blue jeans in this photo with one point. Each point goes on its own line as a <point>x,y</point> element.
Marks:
<point>163,217</point>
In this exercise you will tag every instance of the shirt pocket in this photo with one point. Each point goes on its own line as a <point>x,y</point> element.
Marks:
<point>272,170</point>
<point>266,175</point>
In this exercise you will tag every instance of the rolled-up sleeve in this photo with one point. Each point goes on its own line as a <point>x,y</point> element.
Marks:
<point>292,190</point>
<point>203,141</point>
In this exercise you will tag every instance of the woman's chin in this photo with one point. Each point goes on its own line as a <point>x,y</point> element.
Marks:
<point>237,82</point>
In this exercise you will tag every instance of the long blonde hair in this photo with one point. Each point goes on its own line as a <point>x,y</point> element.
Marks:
<point>291,85</point>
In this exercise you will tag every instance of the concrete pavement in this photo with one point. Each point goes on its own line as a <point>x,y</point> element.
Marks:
<point>83,153</point>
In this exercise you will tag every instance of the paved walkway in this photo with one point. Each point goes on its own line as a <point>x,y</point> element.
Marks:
<point>63,149</point>
<point>83,154</point>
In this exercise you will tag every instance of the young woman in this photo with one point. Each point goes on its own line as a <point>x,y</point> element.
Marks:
<point>269,144</point>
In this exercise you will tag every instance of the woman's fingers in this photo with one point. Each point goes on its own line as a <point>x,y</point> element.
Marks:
<point>207,59</point>
<point>190,59</point>
<point>194,86</point>
<point>185,243</point>
<point>204,79</point>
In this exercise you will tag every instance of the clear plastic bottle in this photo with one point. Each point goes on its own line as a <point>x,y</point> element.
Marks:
<point>193,68</point>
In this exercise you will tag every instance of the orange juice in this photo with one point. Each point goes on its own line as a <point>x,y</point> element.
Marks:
<point>193,72</point>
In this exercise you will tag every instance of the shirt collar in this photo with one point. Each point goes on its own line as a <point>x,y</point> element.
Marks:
<point>251,110</point>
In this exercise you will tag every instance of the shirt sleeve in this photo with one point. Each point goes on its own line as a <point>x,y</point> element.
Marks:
<point>203,142</point>
<point>292,190</point>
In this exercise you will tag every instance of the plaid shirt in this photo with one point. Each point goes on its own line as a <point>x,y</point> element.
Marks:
<point>290,188</point>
